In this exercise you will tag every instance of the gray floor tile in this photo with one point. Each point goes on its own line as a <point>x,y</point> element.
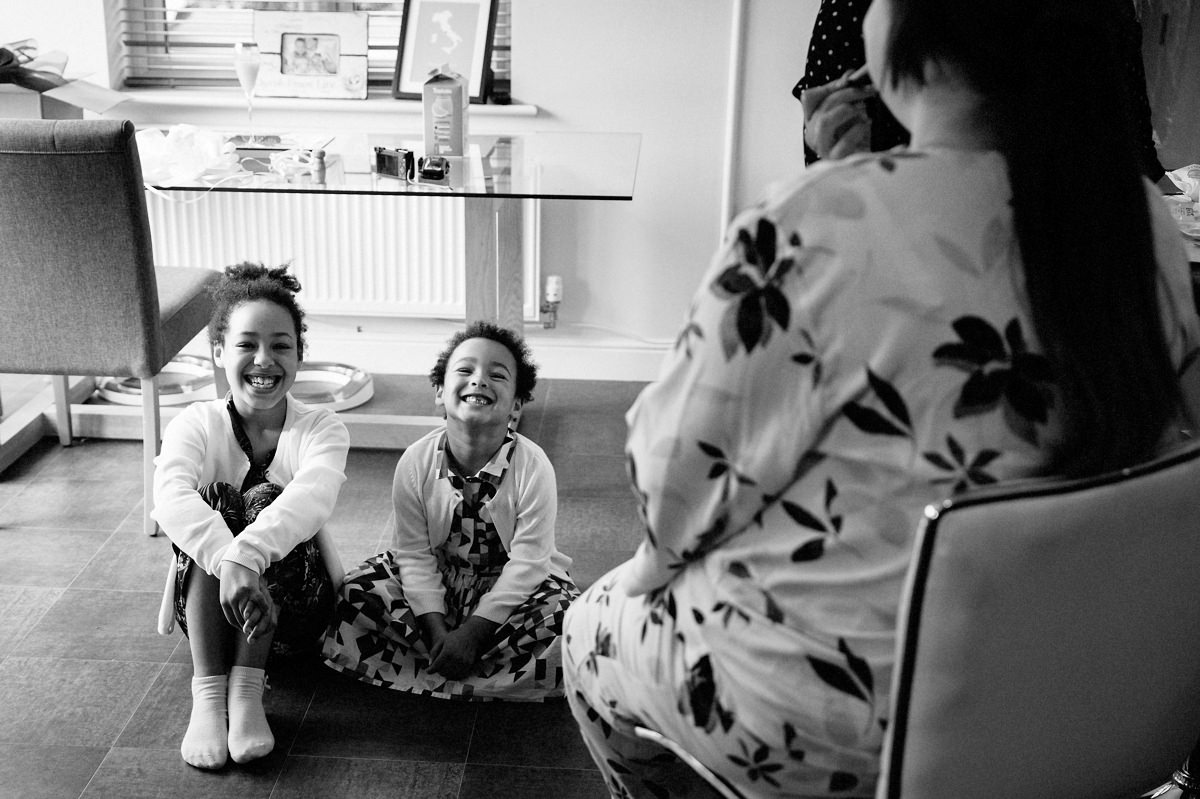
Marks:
<point>100,625</point>
<point>589,565</point>
<point>352,719</point>
<point>21,608</point>
<point>598,523</point>
<point>46,771</point>
<point>582,475</point>
<point>156,773</point>
<point>516,734</point>
<point>96,459</point>
<point>72,504</point>
<point>524,782</point>
<point>128,560</point>
<point>322,777</point>
<point>46,557</point>
<point>69,702</point>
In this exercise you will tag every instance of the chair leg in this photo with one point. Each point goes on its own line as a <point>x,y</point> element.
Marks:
<point>1187,776</point>
<point>151,422</point>
<point>62,408</point>
<point>220,382</point>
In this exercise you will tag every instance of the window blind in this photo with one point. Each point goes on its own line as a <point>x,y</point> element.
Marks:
<point>182,43</point>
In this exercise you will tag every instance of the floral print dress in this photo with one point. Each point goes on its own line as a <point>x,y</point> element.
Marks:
<point>861,347</point>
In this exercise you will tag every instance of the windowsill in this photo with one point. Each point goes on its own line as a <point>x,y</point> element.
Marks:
<point>227,106</point>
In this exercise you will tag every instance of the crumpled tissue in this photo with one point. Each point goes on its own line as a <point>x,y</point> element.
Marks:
<point>183,154</point>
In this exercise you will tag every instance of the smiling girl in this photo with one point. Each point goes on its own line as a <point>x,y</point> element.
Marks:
<point>242,488</point>
<point>468,603</point>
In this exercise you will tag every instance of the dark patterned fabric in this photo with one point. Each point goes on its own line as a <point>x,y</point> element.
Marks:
<point>378,639</point>
<point>299,583</point>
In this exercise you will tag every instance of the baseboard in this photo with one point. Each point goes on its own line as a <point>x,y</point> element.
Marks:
<point>406,346</point>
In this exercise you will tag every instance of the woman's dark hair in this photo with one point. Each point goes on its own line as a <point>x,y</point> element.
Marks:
<point>247,282</point>
<point>526,368</point>
<point>1058,104</point>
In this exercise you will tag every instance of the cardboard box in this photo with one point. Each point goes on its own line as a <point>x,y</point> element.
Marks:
<point>20,103</point>
<point>445,101</point>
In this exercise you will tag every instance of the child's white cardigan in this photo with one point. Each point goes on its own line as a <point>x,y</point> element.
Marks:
<point>199,448</point>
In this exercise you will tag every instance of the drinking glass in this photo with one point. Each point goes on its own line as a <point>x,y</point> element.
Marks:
<point>246,61</point>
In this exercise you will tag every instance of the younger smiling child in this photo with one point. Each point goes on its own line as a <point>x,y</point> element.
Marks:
<point>242,489</point>
<point>469,601</point>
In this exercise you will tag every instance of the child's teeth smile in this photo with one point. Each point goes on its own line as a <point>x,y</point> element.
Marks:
<point>262,381</point>
<point>476,399</point>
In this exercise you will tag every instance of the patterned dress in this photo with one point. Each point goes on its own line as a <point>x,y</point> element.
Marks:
<point>861,347</point>
<point>378,639</point>
<point>299,583</point>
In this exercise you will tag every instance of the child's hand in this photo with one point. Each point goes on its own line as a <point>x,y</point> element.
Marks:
<point>260,620</point>
<point>456,654</point>
<point>243,591</point>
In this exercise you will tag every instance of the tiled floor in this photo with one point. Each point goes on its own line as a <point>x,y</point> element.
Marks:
<point>93,703</point>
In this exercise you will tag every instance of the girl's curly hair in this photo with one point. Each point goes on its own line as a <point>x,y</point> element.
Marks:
<point>247,282</point>
<point>526,368</point>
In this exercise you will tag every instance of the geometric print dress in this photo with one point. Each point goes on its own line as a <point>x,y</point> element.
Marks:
<point>376,636</point>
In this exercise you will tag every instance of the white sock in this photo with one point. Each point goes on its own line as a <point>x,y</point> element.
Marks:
<point>249,733</point>
<point>204,743</point>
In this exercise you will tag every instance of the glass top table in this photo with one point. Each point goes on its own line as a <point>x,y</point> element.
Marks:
<point>565,166</point>
<point>493,178</point>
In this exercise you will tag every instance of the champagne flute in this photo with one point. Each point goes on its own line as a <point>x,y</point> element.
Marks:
<point>246,60</point>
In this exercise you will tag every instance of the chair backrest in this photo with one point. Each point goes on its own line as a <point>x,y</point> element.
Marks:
<point>1049,640</point>
<point>77,283</point>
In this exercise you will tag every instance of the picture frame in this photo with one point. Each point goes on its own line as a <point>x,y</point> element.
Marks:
<point>312,54</point>
<point>437,32</point>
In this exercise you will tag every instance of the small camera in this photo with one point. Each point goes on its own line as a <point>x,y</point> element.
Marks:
<point>434,167</point>
<point>398,163</point>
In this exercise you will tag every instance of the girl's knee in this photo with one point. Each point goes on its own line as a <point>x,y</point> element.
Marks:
<point>227,501</point>
<point>258,497</point>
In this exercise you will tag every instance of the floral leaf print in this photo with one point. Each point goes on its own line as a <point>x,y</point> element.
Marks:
<point>854,679</point>
<point>727,611</point>
<point>840,781</point>
<point>723,467</point>
<point>811,550</point>
<point>809,357</point>
<point>964,472</point>
<point>756,763</point>
<point>872,421</point>
<point>1002,371</point>
<point>684,339</point>
<point>955,255</point>
<point>789,738</point>
<point>836,676</point>
<point>752,285</point>
<point>701,697</point>
<point>642,498</point>
<point>858,665</point>
<point>771,608</point>
<point>802,517</point>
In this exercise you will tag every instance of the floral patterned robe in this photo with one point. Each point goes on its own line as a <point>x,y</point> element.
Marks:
<point>861,347</point>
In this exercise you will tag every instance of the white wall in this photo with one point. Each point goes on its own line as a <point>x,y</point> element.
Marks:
<point>660,68</point>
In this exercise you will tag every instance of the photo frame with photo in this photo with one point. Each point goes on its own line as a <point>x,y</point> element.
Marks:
<point>437,32</point>
<point>312,54</point>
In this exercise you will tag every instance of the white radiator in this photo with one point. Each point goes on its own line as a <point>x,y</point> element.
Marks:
<point>355,255</point>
